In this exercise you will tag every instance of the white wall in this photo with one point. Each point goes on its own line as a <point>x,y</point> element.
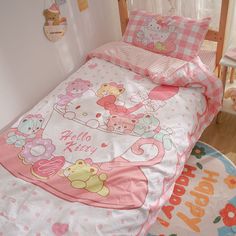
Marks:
<point>30,65</point>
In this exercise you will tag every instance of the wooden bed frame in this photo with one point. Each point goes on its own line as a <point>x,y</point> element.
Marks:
<point>212,35</point>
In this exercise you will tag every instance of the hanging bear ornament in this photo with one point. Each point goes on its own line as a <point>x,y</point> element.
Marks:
<point>55,26</point>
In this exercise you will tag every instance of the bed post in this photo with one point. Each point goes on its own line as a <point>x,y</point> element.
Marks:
<point>222,26</point>
<point>123,10</point>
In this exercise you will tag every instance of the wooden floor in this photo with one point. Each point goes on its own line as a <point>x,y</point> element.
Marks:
<point>222,136</point>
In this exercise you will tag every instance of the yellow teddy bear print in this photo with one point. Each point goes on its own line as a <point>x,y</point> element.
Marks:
<point>111,88</point>
<point>84,176</point>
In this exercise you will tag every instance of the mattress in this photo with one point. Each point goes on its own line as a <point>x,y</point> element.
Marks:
<point>100,154</point>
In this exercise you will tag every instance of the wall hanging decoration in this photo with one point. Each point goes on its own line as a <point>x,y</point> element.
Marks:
<point>55,26</point>
<point>83,4</point>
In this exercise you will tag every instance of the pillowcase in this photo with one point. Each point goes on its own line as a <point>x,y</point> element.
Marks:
<point>173,36</point>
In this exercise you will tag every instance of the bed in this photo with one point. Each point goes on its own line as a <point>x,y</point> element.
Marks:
<point>100,154</point>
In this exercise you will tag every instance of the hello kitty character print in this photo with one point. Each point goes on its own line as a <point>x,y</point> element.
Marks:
<point>157,34</point>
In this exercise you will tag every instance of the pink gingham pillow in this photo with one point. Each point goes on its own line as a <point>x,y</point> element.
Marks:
<point>173,36</point>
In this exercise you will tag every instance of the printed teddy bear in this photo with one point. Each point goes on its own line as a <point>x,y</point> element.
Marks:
<point>27,129</point>
<point>121,124</point>
<point>74,89</point>
<point>110,89</point>
<point>231,93</point>
<point>84,176</point>
<point>149,126</point>
<point>146,126</point>
<point>52,16</point>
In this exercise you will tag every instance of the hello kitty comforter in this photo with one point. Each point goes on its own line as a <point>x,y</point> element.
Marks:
<point>100,154</point>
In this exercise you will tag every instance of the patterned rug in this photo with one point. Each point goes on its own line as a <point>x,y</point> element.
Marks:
<point>204,198</point>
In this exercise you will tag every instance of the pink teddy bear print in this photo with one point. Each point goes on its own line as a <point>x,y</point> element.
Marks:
<point>74,89</point>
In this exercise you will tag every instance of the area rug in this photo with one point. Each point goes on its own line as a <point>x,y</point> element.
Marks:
<point>204,198</point>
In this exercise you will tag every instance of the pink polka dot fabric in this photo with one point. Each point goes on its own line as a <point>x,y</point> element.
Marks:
<point>173,36</point>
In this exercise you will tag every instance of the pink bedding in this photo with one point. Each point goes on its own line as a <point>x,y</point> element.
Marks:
<point>208,57</point>
<point>101,153</point>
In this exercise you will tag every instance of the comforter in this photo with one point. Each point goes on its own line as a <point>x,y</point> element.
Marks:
<point>100,154</point>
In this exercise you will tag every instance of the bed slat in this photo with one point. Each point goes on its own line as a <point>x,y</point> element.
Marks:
<point>222,27</point>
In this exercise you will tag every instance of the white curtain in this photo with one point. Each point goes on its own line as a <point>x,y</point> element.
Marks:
<point>189,8</point>
<point>231,25</point>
